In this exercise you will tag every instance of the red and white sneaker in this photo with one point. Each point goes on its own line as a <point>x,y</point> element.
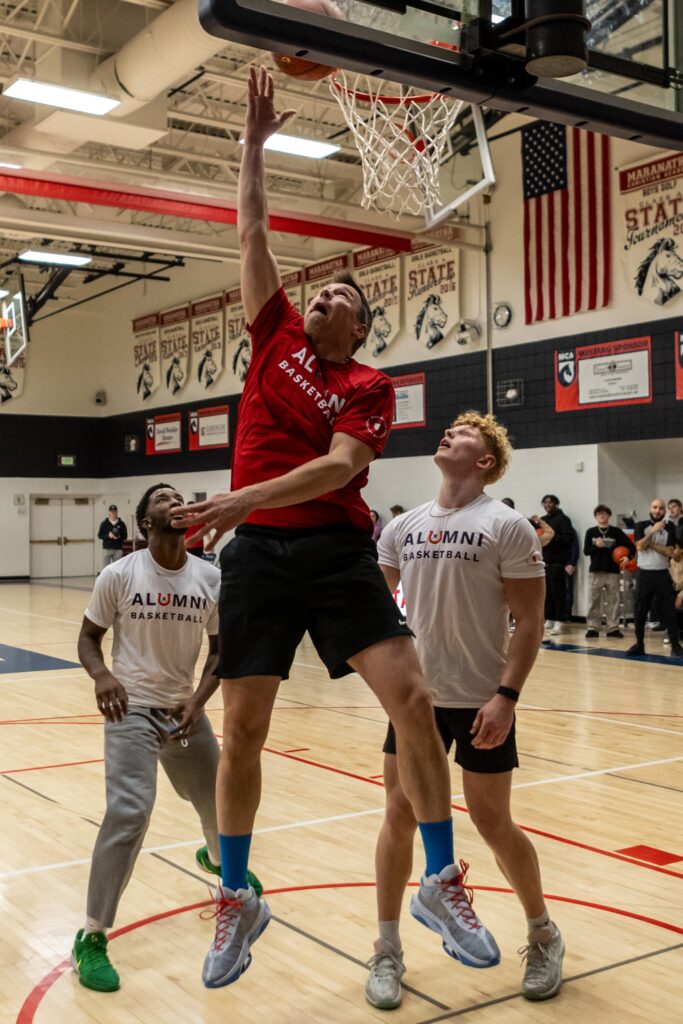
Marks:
<point>444,904</point>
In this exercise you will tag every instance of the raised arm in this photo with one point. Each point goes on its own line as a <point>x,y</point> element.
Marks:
<point>260,277</point>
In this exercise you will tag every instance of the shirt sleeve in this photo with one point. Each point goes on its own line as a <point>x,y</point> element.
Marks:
<point>624,541</point>
<point>520,552</point>
<point>639,530</point>
<point>387,546</point>
<point>277,312</point>
<point>368,415</point>
<point>104,600</point>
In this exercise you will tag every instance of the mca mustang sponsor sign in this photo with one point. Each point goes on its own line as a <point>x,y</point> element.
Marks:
<point>614,373</point>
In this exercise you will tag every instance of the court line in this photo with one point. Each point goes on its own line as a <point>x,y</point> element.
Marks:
<point>37,615</point>
<point>368,812</point>
<point>44,767</point>
<point>610,721</point>
<point>28,1009</point>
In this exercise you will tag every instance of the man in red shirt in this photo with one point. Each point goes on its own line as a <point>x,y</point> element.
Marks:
<point>311,421</point>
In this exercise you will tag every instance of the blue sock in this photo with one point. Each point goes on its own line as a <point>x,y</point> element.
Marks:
<point>437,838</point>
<point>234,860</point>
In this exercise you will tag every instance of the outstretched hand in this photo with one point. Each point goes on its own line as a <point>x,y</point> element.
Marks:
<point>216,516</point>
<point>262,119</point>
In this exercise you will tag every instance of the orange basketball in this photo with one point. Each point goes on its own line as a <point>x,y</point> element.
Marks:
<point>299,67</point>
<point>620,553</point>
<point>631,566</point>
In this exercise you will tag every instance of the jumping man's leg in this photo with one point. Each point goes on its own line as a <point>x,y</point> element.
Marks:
<point>488,801</point>
<point>240,915</point>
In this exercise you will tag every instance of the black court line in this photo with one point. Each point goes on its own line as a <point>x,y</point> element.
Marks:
<point>641,782</point>
<point>575,977</point>
<point>37,792</point>
<point>335,711</point>
<point>307,935</point>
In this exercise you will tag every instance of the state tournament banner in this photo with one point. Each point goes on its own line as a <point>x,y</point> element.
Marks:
<point>11,377</point>
<point>174,347</point>
<point>678,340</point>
<point>163,434</point>
<point>209,428</point>
<point>208,339</point>
<point>378,272</point>
<point>319,274</point>
<point>652,206</point>
<point>431,291</point>
<point>146,354</point>
<point>293,288</point>
<point>595,376</point>
<point>238,339</point>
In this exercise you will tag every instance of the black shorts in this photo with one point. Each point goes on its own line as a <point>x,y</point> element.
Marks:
<point>455,724</point>
<point>278,584</point>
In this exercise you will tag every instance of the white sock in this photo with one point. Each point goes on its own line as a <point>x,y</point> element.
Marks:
<point>388,932</point>
<point>216,863</point>
<point>540,929</point>
<point>93,926</point>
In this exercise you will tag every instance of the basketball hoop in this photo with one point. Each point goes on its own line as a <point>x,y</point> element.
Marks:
<point>401,138</point>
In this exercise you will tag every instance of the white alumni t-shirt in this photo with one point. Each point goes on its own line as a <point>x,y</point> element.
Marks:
<point>159,617</point>
<point>452,564</point>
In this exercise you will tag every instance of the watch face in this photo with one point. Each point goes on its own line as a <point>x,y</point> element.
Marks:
<point>502,315</point>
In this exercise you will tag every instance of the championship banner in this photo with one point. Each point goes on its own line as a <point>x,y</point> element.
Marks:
<point>595,376</point>
<point>678,338</point>
<point>293,285</point>
<point>431,294</point>
<point>11,377</point>
<point>319,274</point>
<point>163,434</point>
<point>208,339</point>
<point>409,408</point>
<point>209,428</point>
<point>174,346</point>
<point>146,354</point>
<point>652,204</point>
<point>378,272</point>
<point>238,339</point>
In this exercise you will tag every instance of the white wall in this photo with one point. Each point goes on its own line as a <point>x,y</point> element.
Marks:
<point>632,473</point>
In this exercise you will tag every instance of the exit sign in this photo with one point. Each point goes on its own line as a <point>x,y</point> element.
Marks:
<point>66,460</point>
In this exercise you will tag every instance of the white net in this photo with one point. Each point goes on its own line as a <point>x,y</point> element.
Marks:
<point>401,137</point>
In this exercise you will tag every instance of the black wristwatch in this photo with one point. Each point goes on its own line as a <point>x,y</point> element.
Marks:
<point>507,691</point>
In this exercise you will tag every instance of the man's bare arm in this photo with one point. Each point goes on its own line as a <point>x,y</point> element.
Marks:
<point>111,696</point>
<point>187,712</point>
<point>260,277</point>
<point>391,575</point>
<point>346,458</point>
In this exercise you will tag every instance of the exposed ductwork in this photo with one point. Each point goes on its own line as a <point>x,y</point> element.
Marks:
<point>165,52</point>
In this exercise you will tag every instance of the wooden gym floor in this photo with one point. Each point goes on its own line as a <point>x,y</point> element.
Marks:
<point>600,792</point>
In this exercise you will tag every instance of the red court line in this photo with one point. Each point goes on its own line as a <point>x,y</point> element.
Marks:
<point>592,711</point>
<point>28,1009</point>
<point>524,828</point>
<point>43,767</point>
<point>46,718</point>
<point>296,750</point>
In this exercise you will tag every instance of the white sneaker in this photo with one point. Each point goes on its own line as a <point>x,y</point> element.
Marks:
<point>443,904</point>
<point>548,624</point>
<point>383,985</point>
<point>543,968</point>
<point>558,629</point>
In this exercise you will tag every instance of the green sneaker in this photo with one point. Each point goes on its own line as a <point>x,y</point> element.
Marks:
<point>90,960</point>
<point>204,862</point>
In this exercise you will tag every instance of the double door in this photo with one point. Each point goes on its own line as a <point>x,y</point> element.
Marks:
<point>62,537</point>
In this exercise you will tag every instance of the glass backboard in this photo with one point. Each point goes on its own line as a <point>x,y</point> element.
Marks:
<point>13,317</point>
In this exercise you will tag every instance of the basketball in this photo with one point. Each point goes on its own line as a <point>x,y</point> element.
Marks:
<point>299,67</point>
<point>620,553</point>
<point>631,566</point>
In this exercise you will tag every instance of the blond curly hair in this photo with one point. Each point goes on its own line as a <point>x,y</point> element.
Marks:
<point>495,438</point>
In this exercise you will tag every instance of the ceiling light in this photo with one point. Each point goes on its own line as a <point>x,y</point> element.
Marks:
<point>14,167</point>
<point>60,96</point>
<point>294,145</point>
<point>57,259</point>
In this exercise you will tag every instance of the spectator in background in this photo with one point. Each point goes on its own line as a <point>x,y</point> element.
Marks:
<point>396,510</point>
<point>570,570</point>
<point>603,575</point>
<point>508,501</point>
<point>656,544</point>
<point>557,558</point>
<point>376,524</point>
<point>676,570</point>
<point>674,512</point>
<point>112,533</point>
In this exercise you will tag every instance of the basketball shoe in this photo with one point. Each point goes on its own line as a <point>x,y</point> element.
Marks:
<point>444,904</point>
<point>543,968</point>
<point>204,862</point>
<point>90,960</point>
<point>240,918</point>
<point>383,985</point>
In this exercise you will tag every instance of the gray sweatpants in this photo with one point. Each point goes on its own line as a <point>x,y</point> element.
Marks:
<point>132,750</point>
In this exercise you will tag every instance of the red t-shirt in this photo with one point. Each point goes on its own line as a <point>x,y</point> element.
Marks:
<point>292,405</point>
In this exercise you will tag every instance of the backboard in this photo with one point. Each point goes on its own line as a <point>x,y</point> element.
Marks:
<point>13,316</point>
<point>629,89</point>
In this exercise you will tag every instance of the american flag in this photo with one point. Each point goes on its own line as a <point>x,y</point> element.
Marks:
<point>567,223</point>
